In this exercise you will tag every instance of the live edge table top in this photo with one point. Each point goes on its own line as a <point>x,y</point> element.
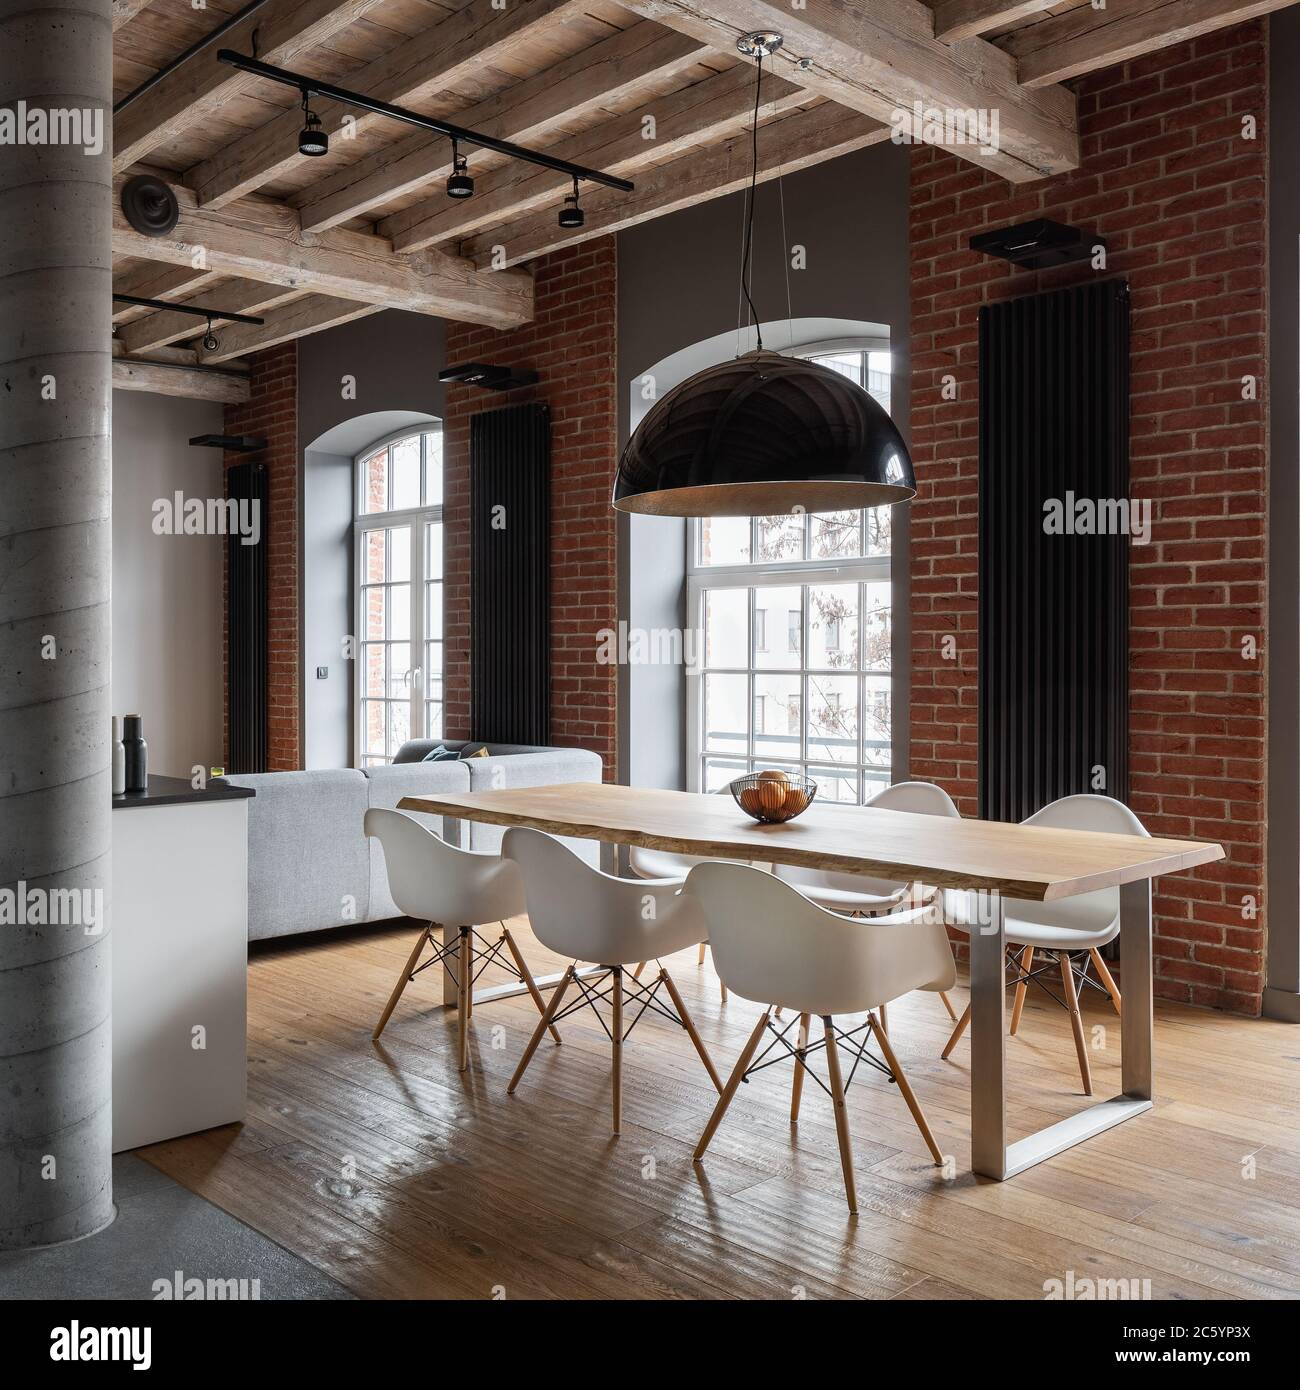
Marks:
<point>1018,861</point>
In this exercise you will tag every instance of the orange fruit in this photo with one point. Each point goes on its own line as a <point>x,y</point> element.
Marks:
<point>796,800</point>
<point>771,795</point>
<point>773,775</point>
<point>749,801</point>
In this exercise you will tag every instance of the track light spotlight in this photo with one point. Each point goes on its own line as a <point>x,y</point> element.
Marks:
<point>312,139</point>
<point>459,182</point>
<point>571,215</point>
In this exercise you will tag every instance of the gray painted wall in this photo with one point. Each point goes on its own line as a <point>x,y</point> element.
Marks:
<point>1282,997</point>
<point>678,283</point>
<point>167,617</point>
<point>395,358</point>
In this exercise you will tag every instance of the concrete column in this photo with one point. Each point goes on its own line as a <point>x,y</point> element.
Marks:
<point>55,572</point>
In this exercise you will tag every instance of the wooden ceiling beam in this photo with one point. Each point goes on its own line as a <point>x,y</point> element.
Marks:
<point>124,11</point>
<point>522,112</point>
<point>286,29</point>
<point>311,315</point>
<point>157,282</point>
<point>175,372</point>
<point>884,61</point>
<point>955,20</point>
<point>258,239</point>
<point>421,66</point>
<point>689,119</point>
<point>1085,40</point>
<point>163,328</point>
<point>794,142</point>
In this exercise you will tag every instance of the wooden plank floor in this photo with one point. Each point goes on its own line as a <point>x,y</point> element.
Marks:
<point>401,1178</point>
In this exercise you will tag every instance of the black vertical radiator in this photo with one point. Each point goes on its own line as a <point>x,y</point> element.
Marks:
<point>510,532</point>
<point>246,655</point>
<point>1053,608</point>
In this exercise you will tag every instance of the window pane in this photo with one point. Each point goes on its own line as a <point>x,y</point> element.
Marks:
<point>433,670</point>
<point>836,535</point>
<point>833,627</point>
<point>878,369</point>
<point>399,664</point>
<point>375,609</point>
<point>433,611</point>
<point>725,726</point>
<point>433,468</point>
<point>878,630</point>
<point>877,721</point>
<point>375,551</point>
<point>726,628</point>
<point>779,538</point>
<point>833,718</point>
<point>406,472</point>
<point>838,784</point>
<point>374,472</point>
<point>399,552</point>
<point>778,616</point>
<point>374,659</point>
<point>879,531</point>
<point>399,725</point>
<point>777,704</point>
<point>433,550</point>
<point>433,719</point>
<point>373,726</point>
<point>719,771</point>
<point>874,781</point>
<point>848,364</point>
<point>724,540</point>
<point>399,611</point>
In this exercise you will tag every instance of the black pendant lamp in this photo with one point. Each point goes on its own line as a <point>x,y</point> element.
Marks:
<point>763,435</point>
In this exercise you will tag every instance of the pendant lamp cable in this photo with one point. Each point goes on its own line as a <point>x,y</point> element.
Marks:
<point>745,268</point>
<point>785,252</point>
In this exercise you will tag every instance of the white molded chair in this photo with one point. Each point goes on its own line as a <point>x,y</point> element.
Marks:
<point>666,867</point>
<point>861,895</point>
<point>580,912</point>
<point>772,945</point>
<point>450,888</point>
<point>1069,932</point>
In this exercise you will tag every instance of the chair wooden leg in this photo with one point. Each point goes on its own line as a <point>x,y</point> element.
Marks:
<point>703,949</point>
<point>522,967</point>
<point>1107,979</point>
<point>884,1018</point>
<point>636,974</point>
<point>1076,1020</point>
<point>796,1086</point>
<point>733,1085</point>
<point>616,1030</point>
<point>402,981</point>
<point>905,1090</point>
<point>962,1024</point>
<point>543,1024</point>
<point>947,1004</point>
<point>689,1024</point>
<point>464,993</point>
<point>841,1112</point>
<point>1026,963</point>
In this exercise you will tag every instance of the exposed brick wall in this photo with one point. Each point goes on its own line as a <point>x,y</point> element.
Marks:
<point>572,344</point>
<point>272,412</point>
<point>1168,179</point>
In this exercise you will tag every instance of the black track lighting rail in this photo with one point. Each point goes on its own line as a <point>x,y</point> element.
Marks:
<point>313,86</point>
<point>212,315</point>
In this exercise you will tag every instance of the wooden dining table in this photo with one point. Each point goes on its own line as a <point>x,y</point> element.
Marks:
<point>995,860</point>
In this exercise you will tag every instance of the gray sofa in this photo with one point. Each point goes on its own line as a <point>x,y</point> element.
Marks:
<point>310,865</point>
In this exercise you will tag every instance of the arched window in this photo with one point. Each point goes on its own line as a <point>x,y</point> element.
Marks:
<point>399,609</point>
<point>795,614</point>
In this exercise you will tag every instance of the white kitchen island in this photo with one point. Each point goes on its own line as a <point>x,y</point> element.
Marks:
<point>180,959</point>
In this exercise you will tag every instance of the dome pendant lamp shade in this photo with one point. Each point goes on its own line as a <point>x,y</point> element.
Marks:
<point>763,435</point>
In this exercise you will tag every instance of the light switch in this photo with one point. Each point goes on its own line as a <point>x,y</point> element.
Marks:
<point>322,673</point>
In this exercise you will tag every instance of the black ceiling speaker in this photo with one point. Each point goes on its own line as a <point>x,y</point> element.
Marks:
<point>491,378</point>
<point>1039,244</point>
<point>150,205</point>
<point>761,436</point>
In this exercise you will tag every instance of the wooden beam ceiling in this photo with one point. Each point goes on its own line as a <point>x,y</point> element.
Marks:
<point>433,60</point>
<point>286,29</point>
<point>955,20</point>
<point>156,282</point>
<point>311,315</point>
<point>1085,39</point>
<point>795,142</point>
<point>884,61</point>
<point>522,112</point>
<point>692,118</point>
<point>175,372</point>
<point>126,10</point>
<point>258,239</point>
<point>164,328</point>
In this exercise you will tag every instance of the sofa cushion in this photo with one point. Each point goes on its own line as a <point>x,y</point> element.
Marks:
<point>541,769</point>
<point>386,785</point>
<point>414,750</point>
<point>308,861</point>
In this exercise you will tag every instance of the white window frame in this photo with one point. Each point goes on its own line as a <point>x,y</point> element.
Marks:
<point>415,518</point>
<point>857,570</point>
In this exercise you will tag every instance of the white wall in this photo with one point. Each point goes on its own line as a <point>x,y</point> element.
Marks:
<point>167,616</point>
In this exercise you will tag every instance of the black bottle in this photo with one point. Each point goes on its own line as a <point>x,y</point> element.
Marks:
<point>137,753</point>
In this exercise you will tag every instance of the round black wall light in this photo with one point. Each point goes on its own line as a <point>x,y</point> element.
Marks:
<point>150,205</point>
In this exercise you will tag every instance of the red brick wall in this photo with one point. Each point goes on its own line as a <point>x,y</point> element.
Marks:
<point>572,344</point>
<point>1168,179</point>
<point>272,413</point>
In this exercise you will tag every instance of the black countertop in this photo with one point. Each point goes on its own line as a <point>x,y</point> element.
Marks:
<point>176,791</point>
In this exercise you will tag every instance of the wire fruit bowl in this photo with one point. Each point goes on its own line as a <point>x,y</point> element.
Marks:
<point>773,797</point>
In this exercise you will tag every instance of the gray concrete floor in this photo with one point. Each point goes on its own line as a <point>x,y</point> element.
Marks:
<point>160,1228</point>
